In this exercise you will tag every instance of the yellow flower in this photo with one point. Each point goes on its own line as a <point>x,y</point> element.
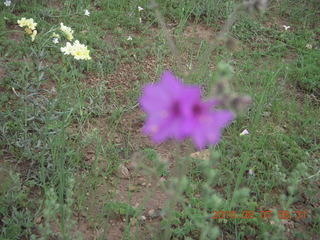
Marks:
<point>28,30</point>
<point>80,51</point>
<point>77,50</point>
<point>67,31</point>
<point>33,35</point>
<point>22,22</point>
<point>55,35</point>
<point>67,50</point>
<point>29,23</point>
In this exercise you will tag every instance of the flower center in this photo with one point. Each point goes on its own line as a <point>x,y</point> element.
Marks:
<point>176,108</point>
<point>196,109</point>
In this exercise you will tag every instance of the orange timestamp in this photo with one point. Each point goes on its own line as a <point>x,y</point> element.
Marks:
<point>247,214</point>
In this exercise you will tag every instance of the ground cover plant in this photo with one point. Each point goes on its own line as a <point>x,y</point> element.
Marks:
<point>159,119</point>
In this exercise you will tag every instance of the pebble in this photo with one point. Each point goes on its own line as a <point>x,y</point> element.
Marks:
<point>123,172</point>
<point>133,188</point>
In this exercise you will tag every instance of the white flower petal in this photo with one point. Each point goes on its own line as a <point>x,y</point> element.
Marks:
<point>309,46</point>
<point>244,132</point>
<point>286,27</point>
<point>7,3</point>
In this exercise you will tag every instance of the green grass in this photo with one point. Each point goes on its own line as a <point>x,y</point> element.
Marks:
<point>67,125</point>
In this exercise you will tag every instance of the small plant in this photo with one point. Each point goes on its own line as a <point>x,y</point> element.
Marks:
<point>304,72</point>
<point>119,209</point>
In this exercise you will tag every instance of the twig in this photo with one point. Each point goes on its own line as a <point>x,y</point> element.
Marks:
<point>312,176</point>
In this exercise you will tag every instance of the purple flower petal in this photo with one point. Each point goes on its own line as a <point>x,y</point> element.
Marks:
<point>175,110</point>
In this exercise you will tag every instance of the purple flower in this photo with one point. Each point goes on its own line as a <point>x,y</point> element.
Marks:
<point>166,104</point>
<point>205,124</point>
<point>175,110</point>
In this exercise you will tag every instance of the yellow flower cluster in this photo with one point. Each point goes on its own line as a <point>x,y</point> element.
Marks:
<point>29,23</point>
<point>30,27</point>
<point>77,50</point>
<point>67,31</point>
